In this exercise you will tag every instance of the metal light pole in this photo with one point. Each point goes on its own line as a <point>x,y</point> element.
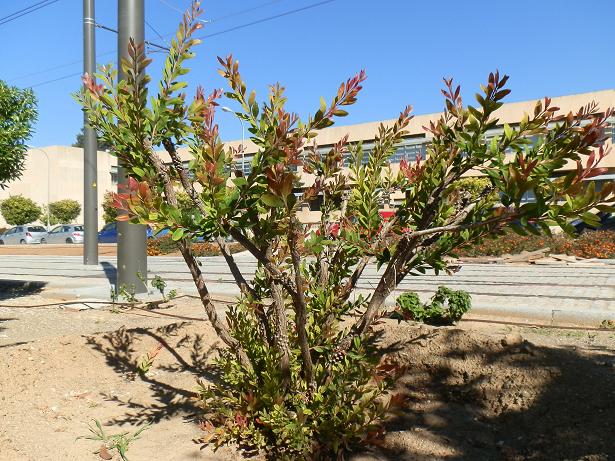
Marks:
<point>48,179</point>
<point>131,241</point>
<point>243,135</point>
<point>90,149</point>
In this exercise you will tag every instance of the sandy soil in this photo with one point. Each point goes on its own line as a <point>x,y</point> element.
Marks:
<point>470,397</point>
<point>104,249</point>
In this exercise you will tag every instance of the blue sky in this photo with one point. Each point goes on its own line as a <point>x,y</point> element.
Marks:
<point>549,48</point>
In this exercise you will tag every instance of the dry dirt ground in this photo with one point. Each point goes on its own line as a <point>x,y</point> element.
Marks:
<point>469,396</point>
<point>104,249</point>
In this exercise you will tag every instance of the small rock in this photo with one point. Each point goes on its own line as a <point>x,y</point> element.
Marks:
<point>512,339</point>
<point>104,453</point>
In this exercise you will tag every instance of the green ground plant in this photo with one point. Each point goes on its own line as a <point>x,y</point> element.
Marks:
<point>110,442</point>
<point>445,308</point>
<point>293,380</point>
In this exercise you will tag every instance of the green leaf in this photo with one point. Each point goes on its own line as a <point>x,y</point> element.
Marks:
<point>178,234</point>
<point>272,200</point>
<point>240,181</point>
<point>508,132</point>
<point>138,171</point>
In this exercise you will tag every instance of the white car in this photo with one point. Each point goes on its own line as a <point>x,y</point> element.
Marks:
<point>66,233</point>
<point>24,234</point>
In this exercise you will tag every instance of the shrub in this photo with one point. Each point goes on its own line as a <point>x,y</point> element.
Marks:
<point>18,210</point>
<point>166,245</point>
<point>446,307</point>
<point>109,211</point>
<point>293,379</point>
<point>475,187</point>
<point>592,244</point>
<point>17,117</point>
<point>64,211</point>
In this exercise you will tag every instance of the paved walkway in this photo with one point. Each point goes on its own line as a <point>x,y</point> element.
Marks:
<point>554,292</point>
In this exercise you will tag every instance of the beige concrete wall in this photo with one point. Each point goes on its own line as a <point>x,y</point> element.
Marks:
<point>66,163</point>
<point>65,177</point>
<point>509,113</point>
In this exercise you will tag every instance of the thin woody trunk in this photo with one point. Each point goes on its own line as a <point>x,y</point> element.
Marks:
<point>190,190</point>
<point>195,271</point>
<point>243,285</point>
<point>210,309</point>
<point>300,308</point>
<point>280,335</point>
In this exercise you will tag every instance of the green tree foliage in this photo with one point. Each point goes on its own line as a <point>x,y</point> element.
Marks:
<point>109,211</point>
<point>293,380</point>
<point>475,186</point>
<point>64,211</point>
<point>17,117</point>
<point>18,210</point>
<point>101,144</point>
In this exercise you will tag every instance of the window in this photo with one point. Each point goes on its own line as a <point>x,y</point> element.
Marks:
<point>56,230</point>
<point>77,228</point>
<point>410,149</point>
<point>610,131</point>
<point>36,229</point>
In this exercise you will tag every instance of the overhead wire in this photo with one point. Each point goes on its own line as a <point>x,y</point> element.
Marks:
<point>23,9</point>
<point>31,9</point>
<point>270,18</point>
<point>231,29</point>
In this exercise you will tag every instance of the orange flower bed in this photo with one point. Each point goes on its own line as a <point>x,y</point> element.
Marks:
<point>592,244</point>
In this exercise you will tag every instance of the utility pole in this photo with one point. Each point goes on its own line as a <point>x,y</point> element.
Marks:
<point>90,149</point>
<point>131,241</point>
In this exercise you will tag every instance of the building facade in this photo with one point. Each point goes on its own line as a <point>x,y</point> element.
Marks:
<point>56,173</point>
<point>65,166</point>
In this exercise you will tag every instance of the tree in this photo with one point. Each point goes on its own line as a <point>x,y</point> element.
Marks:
<point>64,211</point>
<point>474,186</point>
<point>109,211</point>
<point>17,117</point>
<point>101,144</point>
<point>18,210</point>
<point>293,379</point>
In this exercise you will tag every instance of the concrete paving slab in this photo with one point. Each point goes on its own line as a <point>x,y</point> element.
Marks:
<point>583,294</point>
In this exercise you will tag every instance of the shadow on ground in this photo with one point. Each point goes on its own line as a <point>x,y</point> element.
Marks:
<point>10,289</point>
<point>486,401</point>
<point>110,272</point>
<point>468,397</point>
<point>168,381</point>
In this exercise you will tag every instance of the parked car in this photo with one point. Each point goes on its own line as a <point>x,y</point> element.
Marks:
<point>108,234</point>
<point>24,234</point>
<point>607,222</point>
<point>66,233</point>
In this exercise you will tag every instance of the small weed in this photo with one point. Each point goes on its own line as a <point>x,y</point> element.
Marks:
<point>128,294</point>
<point>610,324</point>
<point>160,284</point>
<point>119,442</point>
<point>145,363</point>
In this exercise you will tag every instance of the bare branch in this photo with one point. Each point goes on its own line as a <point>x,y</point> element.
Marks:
<point>195,271</point>
<point>300,306</point>
<point>267,263</point>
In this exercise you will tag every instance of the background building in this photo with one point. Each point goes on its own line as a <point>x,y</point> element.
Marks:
<point>66,163</point>
<point>59,169</point>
